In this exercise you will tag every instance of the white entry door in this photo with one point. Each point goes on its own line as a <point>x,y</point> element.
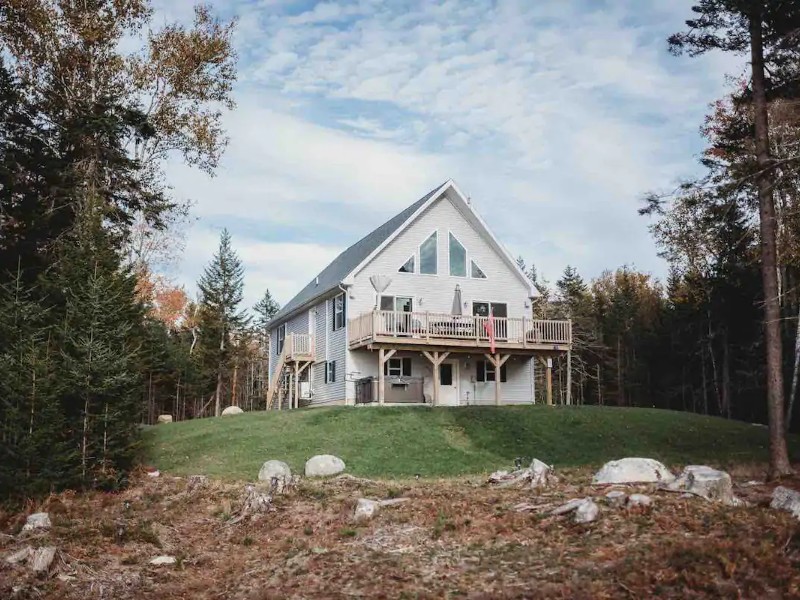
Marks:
<point>448,383</point>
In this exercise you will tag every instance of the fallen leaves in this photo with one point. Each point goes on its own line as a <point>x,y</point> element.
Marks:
<point>444,538</point>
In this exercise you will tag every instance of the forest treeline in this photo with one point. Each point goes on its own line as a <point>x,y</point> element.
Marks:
<point>95,341</point>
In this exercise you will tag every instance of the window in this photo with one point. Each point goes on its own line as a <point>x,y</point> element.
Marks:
<point>427,255</point>
<point>477,272</point>
<point>458,258</point>
<point>330,371</point>
<point>397,367</point>
<point>397,303</point>
<point>281,337</point>
<point>408,266</point>
<point>487,372</point>
<point>338,312</point>
<point>483,309</point>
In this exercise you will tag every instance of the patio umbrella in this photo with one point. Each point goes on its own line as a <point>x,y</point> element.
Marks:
<point>379,284</point>
<point>457,301</point>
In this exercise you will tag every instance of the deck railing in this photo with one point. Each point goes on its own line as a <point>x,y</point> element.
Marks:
<point>299,344</point>
<point>442,326</point>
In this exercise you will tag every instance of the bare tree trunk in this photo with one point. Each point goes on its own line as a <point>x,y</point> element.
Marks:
<point>726,376</point>
<point>705,383</point>
<point>795,371</point>
<point>620,391</point>
<point>218,392</point>
<point>778,453</point>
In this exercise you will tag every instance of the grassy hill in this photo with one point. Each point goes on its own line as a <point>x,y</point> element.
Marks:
<point>440,442</point>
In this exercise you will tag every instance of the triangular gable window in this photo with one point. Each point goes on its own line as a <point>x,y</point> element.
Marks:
<point>476,272</point>
<point>408,266</point>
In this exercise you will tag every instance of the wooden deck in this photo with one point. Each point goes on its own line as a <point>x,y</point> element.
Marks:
<point>424,329</point>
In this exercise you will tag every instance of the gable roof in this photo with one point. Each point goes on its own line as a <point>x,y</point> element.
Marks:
<point>344,264</point>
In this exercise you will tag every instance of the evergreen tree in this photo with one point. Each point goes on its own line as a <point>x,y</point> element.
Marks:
<point>221,292</point>
<point>766,30</point>
<point>100,362</point>
<point>265,309</point>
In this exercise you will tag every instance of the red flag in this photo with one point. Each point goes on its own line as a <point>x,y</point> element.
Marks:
<point>489,327</point>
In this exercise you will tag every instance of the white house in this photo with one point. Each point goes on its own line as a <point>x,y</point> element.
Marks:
<point>428,308</point>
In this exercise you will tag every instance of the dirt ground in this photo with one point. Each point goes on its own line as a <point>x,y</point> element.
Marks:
<point>452,539</point>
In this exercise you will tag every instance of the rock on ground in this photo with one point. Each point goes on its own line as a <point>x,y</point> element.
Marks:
<point>232,410</point>
<point>19,556</point>
<point>39,520</point>
<point>569,506</point>
<point>633,470</point>
<point>163,560</point>
<point>324,465</point>
<point>706,482</point>
<point>541,474</point>
<point>785,499</point>
<point>275,468</point>
<point>42,559</point>
<point>586,512</point>
<point>616,498</point>
<point>639,500</point>
<point>366,509</point>
<point>164,419</point>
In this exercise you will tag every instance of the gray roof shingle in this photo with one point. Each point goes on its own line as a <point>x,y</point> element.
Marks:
<point>332,275</point>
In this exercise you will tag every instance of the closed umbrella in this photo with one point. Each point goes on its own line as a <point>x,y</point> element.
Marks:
<point>457,301</point>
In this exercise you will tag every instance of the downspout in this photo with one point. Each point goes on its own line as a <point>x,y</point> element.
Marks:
<point>345,370</point>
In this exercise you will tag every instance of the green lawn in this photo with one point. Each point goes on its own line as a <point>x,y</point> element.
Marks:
<point>401,442</point>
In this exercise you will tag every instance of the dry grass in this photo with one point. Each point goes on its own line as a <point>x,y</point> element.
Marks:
<point>454,539</point>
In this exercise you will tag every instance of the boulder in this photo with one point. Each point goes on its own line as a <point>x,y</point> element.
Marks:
<point>711,484</point>
<point>164,419</point>
<point>19,556</point>
<point>541,474</point>
<point>586,512</point>
<point>163,560</point>
<point>785,499</point>
<point>366,509</point>
<point>275,468</point>
<point>232,410</point>
<point>616,498</point>
<point>324,465</point>
<point>569,506</point>
<point>42,558</point>
<point>39,520</point>
<point>635,500</point>
<point>633,470</point>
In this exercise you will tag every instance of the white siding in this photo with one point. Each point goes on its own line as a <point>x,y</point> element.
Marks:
<point>297,324</point>
<point>434,293</point>
<point>330,346</point>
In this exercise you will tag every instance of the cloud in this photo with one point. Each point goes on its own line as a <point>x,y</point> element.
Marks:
<point>556,117</point>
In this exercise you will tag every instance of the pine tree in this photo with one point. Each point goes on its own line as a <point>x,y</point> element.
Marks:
<point>766,30</point>
<point>100,355</point>
<point>221,293</point>
<point>265,309</point>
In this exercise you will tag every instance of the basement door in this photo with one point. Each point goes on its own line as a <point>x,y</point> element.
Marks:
<point>448,383</point>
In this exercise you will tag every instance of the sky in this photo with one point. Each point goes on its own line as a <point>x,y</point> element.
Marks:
<point>555,116</point>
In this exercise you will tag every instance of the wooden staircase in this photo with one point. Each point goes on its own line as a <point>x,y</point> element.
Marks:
<point>297,355</point>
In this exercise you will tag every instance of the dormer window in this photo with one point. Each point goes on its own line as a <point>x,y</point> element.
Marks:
<point>427,255</point>
<point>476,272</point>
<point>458,258</point>
<point>408,266</point>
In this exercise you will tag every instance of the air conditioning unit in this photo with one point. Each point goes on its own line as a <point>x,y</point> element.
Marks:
<point>305,390</point>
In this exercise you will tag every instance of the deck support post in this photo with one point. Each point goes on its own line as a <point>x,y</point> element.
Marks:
<point>497,361</point>
<point>549,369</point>
<point>296,399</point>
<point>436,358</point>
<point>383,356</point>
<point>569,377</point>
